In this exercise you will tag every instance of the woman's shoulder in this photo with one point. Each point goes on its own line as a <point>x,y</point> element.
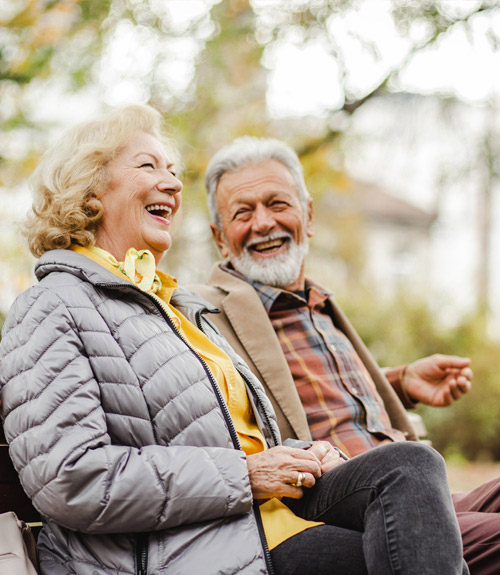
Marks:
<point>55,292</point>
<point>30,308</point>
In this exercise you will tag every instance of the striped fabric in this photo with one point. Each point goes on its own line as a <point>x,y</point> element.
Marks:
<point>340,399</point>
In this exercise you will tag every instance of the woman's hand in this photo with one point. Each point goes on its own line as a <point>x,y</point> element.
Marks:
<point>274,471</point>
<point>328,456</point>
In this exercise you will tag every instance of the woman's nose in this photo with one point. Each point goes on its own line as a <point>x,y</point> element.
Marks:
<point>169,183</point>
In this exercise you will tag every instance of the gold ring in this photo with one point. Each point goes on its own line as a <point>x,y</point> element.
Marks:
<point>300,480</point>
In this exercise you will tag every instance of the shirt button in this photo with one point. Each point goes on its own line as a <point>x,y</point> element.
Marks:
<point>354,391</point>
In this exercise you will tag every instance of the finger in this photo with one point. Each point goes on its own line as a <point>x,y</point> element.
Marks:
<point>304,466</point>
<point>314,470</point>
<point>459,387</point>
<point>464,385</point>
<point>332,454</point>
<point>467,373</point>
<point>302,479</point>
<point>292,492</point>
<point>305,454</point>
<point>451,361</point>
<point>446,398</point>
<point>302,460</point>
<point>330,463</point>
<point>309,465</point>
<point>309,480</point>
<point>455,392</point>
<point>321,449</point>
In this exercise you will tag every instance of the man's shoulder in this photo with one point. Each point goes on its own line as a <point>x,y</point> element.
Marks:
<point>211,293</point>
<point>219,284</point>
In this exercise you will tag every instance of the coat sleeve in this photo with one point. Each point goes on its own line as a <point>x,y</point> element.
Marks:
<point>56,427</point>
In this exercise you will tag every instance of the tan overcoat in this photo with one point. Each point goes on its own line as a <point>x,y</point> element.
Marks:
<point>245,324</point>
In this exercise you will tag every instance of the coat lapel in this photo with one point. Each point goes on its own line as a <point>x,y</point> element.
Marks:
<point>251,324</point>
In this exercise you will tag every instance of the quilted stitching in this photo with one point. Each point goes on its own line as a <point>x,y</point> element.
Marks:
<point>95,386</point>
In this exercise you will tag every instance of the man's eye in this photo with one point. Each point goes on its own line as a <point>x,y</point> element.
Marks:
<point>147,165</point>
<point>241,213</point>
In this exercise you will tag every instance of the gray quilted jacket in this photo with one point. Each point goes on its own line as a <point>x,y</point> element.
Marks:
<point>120,434</point>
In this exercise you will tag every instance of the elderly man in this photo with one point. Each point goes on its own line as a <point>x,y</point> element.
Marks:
<point>320,376</point>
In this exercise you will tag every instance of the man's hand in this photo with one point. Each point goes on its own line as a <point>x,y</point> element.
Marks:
<point>437,380</point>
<point>328,456</point>
<point>272,472</point>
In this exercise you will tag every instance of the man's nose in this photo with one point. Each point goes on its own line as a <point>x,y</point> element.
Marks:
<point>263,220</point>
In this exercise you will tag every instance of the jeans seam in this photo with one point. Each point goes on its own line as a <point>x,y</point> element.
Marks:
<point>324,511</point>
<point>393,555</point>
<point>389,529</point>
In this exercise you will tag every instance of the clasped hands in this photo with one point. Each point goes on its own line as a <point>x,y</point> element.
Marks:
<point>274,472</point>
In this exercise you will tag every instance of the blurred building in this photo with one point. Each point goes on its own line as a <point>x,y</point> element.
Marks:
<point>368,237</point>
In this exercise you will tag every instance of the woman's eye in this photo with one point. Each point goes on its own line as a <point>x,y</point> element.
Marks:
<point>147,165</point>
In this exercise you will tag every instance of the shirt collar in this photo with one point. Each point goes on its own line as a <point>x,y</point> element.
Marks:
<point>269,295</point>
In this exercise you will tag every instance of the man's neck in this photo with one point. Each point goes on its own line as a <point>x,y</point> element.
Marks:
<point>298,285</point>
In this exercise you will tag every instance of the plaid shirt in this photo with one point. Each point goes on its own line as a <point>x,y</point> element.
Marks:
<point>338,394</point>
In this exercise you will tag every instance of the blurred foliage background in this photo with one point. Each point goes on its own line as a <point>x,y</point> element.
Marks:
<point>221,69</point>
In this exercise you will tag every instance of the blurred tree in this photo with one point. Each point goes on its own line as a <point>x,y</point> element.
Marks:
<point>488,163</point>
<point>233,43</point>
<point>227,99</point>
<point>422,23</point>
<point>404,330</point>
<point>40,42</point>
<point>228,89</point>
<point>45,41</point>
<point>40,36</point>
<point>229,93</point>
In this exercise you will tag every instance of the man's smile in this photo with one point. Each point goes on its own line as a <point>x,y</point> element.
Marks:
<point>268,246</point>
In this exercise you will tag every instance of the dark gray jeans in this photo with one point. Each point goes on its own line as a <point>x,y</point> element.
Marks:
<point>387,512</point>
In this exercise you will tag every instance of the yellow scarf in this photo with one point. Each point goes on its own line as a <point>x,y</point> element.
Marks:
<point>139,266</point>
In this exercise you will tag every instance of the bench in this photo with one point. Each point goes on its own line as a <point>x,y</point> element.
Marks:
<point>12,495</point>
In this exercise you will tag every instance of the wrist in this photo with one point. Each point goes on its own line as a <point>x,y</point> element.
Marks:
<point>397,377</point>
<point>404,387</point>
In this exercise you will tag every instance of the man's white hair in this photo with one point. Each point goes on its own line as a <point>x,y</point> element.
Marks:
<point>250,150</point>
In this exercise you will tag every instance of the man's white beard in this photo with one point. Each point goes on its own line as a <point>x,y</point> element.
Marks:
<point>280,271</point>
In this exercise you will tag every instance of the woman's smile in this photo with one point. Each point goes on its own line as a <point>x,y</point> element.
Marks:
<point>141,201</point>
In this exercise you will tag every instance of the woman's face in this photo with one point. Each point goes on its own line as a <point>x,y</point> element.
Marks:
<point>140,201</point>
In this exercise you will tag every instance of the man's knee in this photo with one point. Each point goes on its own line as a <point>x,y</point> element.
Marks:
<point>413,455</point>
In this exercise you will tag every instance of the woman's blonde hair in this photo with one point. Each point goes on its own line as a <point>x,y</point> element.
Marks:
<point>72,173</point>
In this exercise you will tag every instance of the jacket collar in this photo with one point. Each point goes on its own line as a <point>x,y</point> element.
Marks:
<point>88,270</point>
<point>250,322</point>
<point>76,264</point>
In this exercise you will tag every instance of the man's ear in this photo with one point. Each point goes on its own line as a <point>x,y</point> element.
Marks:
<point>219,240</point>
<point>309,221</point>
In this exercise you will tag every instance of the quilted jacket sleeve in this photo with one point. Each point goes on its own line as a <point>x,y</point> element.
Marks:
<point>56,427</point>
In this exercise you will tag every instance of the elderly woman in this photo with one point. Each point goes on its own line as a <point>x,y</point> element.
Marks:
<point>146,444</point>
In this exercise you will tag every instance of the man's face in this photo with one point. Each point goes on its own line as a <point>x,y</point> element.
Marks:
<point>264,226</point>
